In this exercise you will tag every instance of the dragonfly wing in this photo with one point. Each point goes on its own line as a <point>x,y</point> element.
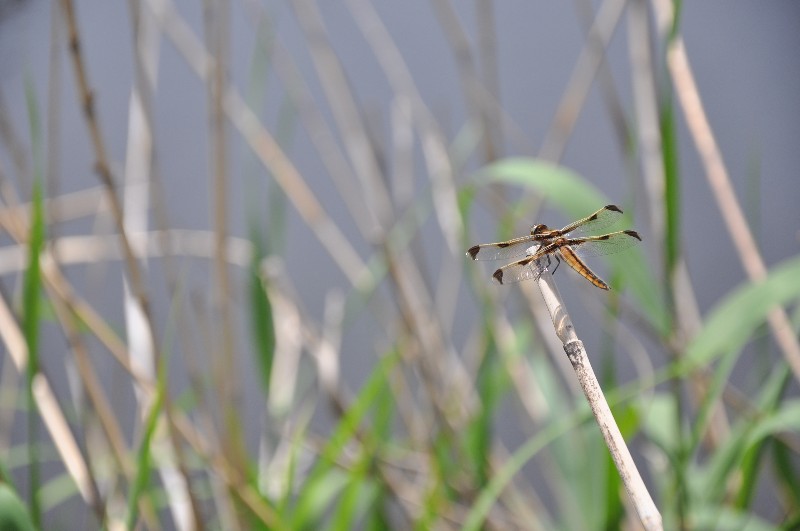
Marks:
<point>606,244</point>
<point>502,250</point>
<point>530,268</point>
<point>602,219</point>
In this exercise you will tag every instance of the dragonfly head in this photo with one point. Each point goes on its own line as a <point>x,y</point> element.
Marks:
<point>538,229</point>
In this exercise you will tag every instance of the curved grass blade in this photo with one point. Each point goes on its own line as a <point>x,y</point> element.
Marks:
<point>483,504</point>
<point>31,298</point>
<point>734,320</point>
<point>308,509</point>
<point>262,323</point>
<point>729,326</point>
<point>13,513</point>
<point>144,458</point>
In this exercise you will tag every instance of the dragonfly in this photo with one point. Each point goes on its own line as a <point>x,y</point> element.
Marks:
<point>565,244</point>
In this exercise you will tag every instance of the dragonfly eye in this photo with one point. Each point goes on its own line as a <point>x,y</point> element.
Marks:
<point>538,229</point>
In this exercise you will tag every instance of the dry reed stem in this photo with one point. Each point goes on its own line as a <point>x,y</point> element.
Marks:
<point>72,250</point>
<point>264,146</point>
<point>13,144</point>
<point>686,311</point>
<point>448,370</point>
<point>182,424</point>
<point>647,120</point>
<point>142,314</point>
<point>102,165</point>
<point>415,305</point>
<point>297,190</point>
<point>433,144</point>
<point>581,79</point>
<point>719,180</point>
<point>53,138</point>
<point>64,207</point>
<point>136,199</point>
<point>225,358</point>
<point>97,325</point>
<point>605,82</point>
<point>518,368</point>
<point>54,281</point>
<point>489,74</point>
<point>64,309</point>
<point>49,411</point>
<point>347,115</point>
<point>54,419</point>
<point>322,137</point>
<point>481,85</point>
<point>467,71</point>
<point>578,357</point>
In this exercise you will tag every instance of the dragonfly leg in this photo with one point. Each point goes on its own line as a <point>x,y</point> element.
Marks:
<point>558,263</point>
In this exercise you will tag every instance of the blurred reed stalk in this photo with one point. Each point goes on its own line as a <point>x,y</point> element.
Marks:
<point>579,358</point>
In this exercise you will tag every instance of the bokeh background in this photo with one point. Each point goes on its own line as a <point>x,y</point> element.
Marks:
<point>300,181</point>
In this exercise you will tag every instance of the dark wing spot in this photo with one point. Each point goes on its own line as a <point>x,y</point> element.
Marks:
<point>615,208</point>
<point>498,276</point>
<point>473,251</point>
<point>633,233</point>
<point>604,237</point>
<point>503,244</point>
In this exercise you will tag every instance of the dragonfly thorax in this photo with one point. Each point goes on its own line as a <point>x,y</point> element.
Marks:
<point>539,229</point>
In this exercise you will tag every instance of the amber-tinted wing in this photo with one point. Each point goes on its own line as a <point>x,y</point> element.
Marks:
<point>502,250</point>
<point>530,268</point>
<point>602,219</point>
<point>605,244</point>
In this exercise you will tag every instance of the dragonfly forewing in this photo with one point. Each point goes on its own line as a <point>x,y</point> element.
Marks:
<point>602,219</point>
<point>503,250</point>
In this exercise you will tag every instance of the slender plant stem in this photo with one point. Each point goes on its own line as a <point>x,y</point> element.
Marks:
<point>720,182</point>
<point>578,357</point>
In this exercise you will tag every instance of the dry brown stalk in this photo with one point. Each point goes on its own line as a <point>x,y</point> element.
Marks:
<point>720,182</point>
<point>578,357</point>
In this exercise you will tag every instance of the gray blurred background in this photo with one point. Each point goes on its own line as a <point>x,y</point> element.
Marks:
<point>744,55</point>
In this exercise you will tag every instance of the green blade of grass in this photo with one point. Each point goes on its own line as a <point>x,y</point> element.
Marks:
<point>316,496</point>
<point>57,490</point>
<point>13,513</point>
<point>358,495</point>
<point>721,518</point>
<point>711,482</point>
<point>491,384</point>
<point>787,474</point>
<point>752,461</point>
<point>31,297</point>
<point>262,323</point>
<point>629,421</point>
<point>732,322</point>
<point>308,508</point>
<point>669,147</point>
<point>144,457</point>
<point>549,433</point>
<point>725,332</point>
